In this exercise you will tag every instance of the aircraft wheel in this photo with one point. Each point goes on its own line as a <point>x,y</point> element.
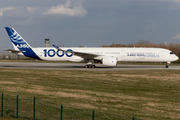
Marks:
<point>89,66</point>
<point>86,66</point>
<point>93,66</point>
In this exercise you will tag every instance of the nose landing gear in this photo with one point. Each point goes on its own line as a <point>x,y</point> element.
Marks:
<point>167,65</point>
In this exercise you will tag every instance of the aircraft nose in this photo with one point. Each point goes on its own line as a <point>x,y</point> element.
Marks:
<point>176,57</point>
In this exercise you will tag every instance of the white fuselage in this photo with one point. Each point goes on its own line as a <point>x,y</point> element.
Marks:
<point>121,54</point>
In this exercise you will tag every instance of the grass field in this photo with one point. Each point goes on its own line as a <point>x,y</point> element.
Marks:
<point>143,94</point>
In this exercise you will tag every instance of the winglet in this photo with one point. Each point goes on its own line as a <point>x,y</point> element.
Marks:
<point>58,48</point>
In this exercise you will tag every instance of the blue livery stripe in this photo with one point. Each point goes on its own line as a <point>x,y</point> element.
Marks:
<point>20,43</point>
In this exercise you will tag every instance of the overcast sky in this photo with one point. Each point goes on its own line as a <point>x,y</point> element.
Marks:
<point>90,22</point>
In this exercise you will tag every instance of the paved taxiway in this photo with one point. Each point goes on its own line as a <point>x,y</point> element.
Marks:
<point>79,66</point>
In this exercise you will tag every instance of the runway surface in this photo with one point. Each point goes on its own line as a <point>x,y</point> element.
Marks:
<point>79,66</point>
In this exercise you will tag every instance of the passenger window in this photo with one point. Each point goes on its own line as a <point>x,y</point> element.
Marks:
<point>171,53</point>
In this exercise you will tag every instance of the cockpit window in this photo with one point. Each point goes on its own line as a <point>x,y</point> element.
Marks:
<point>171,53</point>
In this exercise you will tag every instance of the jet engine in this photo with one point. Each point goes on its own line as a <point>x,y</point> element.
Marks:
<point>109,61</point>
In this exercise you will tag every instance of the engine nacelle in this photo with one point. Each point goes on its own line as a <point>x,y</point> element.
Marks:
<point>109,61</point>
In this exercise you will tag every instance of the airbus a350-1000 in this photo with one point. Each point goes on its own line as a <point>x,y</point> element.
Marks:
<point>105,56</point>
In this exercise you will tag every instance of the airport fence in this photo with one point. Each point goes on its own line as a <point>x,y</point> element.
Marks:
<point>39,109</point>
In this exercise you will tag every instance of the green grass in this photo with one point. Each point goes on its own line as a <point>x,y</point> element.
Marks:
<point>142,94</point>
<point>10,119</point>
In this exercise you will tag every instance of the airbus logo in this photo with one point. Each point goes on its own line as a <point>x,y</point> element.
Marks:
<point>23,46</point>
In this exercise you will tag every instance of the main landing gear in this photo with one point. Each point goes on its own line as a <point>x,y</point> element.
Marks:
<point>167,66</point>
<point>89,66</point>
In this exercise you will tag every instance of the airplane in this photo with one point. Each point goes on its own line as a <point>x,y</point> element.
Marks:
<point>106,56</point>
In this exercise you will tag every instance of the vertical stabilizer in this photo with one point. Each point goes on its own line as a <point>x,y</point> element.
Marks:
<point>20,44</point>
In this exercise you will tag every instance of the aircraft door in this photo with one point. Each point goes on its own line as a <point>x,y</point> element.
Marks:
<point>123,55</point>
<point>40,53</point>
<point>162,53</point>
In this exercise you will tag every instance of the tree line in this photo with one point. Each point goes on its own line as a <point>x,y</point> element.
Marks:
<point>174,47</point>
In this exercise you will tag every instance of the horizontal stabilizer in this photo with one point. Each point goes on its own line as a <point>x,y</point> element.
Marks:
<point>14,51</point>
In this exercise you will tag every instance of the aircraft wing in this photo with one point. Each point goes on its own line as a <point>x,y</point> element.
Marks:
<point>81,54</point>
<point>14,51</point>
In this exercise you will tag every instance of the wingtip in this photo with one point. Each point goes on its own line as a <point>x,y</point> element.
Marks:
<point>55,46</point>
